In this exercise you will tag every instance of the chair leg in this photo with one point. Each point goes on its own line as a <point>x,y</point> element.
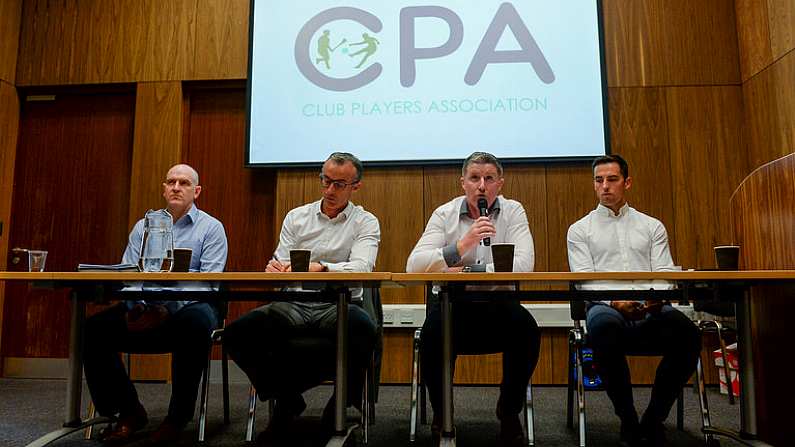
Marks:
<point>204,398</point>
<point>570,381</point>
<point>726,371</point>
<point>366,408</point>
<point>415,369</point>
<point>252,408</point>
<point>580,397</point>
<point>374,391</point>
<point>225,380</point>
<point>92,412</point>
<point>703,403</point>
<point>529,415</point>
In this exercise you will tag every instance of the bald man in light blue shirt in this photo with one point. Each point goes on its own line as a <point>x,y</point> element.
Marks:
<point>182,328</point>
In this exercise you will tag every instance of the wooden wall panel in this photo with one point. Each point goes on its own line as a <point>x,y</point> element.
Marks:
<point>91,168</point>
<point>663,43</point>
<point>781,14</point>
<point>784,78</point>
<point>10,17</point>
<point>158,141</point>
<point>570,196</point>
<point>753,36</point>
<point>527,185</point>
<point>762,121</point>
<point>396,362</point>
<point>440,185</point>
<point>242,198</point>
<point>99,41</point>
<point>157,146</point>
<point>639,132</point>
<point>222,39</point>
<point>9,129</point>
<point>394,196</point>
<point>708,159</point>
<point>770,111</point>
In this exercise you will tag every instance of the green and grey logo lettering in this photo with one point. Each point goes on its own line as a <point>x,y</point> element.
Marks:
<point>324,49</point>
<point>506,17</point>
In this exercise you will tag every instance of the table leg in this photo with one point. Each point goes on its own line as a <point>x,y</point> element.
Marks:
<point>340,383</point>
<point>447,370</point>
<point>74,385</point>
<point>748,427</point>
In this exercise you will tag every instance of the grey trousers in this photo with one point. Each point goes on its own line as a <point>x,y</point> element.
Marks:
<point>286,348</point>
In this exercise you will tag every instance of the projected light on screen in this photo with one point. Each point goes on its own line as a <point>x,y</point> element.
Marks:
<point>425,81</point>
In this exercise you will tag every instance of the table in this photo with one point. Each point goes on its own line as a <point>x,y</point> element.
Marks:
<point>690,284</point>
<point>238,286</point>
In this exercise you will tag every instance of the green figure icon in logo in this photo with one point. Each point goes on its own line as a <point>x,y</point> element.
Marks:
<point>324,48</point>
<point>372,45</point>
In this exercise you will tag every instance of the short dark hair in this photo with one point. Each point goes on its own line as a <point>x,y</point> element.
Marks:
<point>612,158</point>
<point>481,158</point>
<point>341,157</point>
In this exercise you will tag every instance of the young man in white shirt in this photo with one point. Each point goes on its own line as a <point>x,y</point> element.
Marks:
<point>452,241</point>
<point>616,237</point>
<point>341,237</point>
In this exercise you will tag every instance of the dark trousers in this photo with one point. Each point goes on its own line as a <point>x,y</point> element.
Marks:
<point>186,334</point>
<point>669,333</point>
<point>480,328</point>
<point>286,348</point>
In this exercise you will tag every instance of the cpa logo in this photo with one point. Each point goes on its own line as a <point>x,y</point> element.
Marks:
<point>325,46</point>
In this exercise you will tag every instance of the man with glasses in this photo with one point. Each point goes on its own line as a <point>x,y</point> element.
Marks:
<point>616,237</point>
<point>342,237</point>
<point>454,241</point>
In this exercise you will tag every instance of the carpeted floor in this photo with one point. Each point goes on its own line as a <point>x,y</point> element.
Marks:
<point>30,408</point>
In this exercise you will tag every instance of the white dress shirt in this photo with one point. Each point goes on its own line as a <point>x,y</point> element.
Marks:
<point>628,242</point>
<point>346,243</point>
<point>436,249</point>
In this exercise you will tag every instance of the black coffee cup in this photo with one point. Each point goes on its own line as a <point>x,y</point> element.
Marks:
<point>182,259</point>
<point>727,257</point>
<point>299,260</point>
<point>502,256</point>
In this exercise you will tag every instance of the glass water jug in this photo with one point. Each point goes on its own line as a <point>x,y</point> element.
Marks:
<point>157,244</point>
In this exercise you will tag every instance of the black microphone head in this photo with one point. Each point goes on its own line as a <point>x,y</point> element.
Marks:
<point>483,206</point>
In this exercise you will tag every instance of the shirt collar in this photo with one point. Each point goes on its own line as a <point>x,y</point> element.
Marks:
<point>190,216</point>
<point>605,211</point>
<point>344,214</point>
<point>494,209</point>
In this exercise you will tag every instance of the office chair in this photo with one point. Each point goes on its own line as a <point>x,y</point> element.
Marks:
<point>222,308</point>
<point>721,309</point>
<point>577,341</point>
<point>418,390</point>
<point>371,302</point>
<point>217,340</point>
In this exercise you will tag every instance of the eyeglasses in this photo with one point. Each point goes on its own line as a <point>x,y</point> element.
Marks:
<point>325,182</point>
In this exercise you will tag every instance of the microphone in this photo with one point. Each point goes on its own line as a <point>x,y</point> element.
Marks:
<point>483,207</point>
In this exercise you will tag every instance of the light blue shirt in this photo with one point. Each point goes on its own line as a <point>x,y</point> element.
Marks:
<point>196,230</point>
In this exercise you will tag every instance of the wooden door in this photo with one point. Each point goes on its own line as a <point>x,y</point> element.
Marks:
<point>71,198</point>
